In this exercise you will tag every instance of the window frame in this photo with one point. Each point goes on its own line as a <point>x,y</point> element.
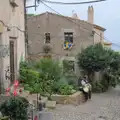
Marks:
<point>47,38</point>
<point>68,37</point>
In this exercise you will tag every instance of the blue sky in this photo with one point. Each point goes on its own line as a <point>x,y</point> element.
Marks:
<point>107,14</point>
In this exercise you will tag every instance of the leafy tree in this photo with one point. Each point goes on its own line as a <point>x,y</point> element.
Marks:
<point>96,58</point>
<point>115,61</point>
<point>112,73</point>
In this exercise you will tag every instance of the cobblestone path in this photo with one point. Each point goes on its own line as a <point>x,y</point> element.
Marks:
<point>104,106</point>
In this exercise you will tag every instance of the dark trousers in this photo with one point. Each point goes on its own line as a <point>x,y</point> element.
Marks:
<point>90,94</point>
<point>87,95</point>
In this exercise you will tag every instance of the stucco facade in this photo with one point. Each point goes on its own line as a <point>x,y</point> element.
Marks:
<point>12,40</point>
<point>57,25</point>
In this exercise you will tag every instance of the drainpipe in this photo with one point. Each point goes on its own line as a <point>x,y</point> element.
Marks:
<point>26,33</point>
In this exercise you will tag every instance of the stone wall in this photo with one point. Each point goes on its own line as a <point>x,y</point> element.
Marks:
<point>75,99</point>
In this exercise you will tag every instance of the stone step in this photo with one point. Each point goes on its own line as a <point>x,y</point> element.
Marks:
<point>44,100</point>
<point>51,104</point>
<point>45,116</point>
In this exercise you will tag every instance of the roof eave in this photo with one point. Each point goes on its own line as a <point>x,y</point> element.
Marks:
<point>99,27</point>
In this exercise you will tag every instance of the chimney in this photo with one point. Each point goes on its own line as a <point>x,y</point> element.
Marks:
<point>91,14</point>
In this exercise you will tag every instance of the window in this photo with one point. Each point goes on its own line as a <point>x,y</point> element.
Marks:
<point>13,58</point>
<point>68,37</point>
<point>12,64</point>
<point>47,37</point>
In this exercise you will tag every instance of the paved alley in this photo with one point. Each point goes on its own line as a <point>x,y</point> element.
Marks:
<point>104,106</point>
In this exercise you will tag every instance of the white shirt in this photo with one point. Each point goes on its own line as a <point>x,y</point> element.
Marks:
<point>83,83</point>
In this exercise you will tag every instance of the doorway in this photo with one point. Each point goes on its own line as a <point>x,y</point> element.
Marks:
<point>13,59</point>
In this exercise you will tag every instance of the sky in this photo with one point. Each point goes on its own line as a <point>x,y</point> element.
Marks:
<point>106,14</point>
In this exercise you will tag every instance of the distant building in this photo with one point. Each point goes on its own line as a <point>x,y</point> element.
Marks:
<point>62,37</point>
<point>107,45</point>
<point>12,42</point>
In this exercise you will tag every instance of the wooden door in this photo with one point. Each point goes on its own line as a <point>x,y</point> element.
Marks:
<point>12,62</point>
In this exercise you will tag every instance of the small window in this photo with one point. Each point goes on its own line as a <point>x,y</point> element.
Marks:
<point>68,37</point>
<point>47,37</point>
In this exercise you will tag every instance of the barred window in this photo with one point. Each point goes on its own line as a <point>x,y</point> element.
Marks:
<point>68,36</point>
<point>47,37</point>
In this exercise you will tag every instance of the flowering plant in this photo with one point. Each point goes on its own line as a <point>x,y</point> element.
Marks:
<point>14,89</point>
<point>67,45</point>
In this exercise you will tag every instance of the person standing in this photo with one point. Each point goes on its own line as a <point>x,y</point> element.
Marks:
<point>86,88</point>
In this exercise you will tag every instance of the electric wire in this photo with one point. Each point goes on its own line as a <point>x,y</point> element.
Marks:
<point>77,23</point>
<point>72,3</point>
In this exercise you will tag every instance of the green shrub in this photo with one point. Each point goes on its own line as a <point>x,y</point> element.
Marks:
<point>105,85</point>
<point>50,67</point>
<point>66,89</point>
<point>4,118</point>
<point>100,86</point>
<point>69,73</point>
<point>41,76</point>
<point>26,69</point>
<point>65,86</point>
<point>72,80</point>
<point>68,67</point>
<point>59,83</point>
<point>97,87</point>
<point>15,108</point>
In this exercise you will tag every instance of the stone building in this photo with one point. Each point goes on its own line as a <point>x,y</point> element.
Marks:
<point>12,42</point>
<point>61,37</point>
